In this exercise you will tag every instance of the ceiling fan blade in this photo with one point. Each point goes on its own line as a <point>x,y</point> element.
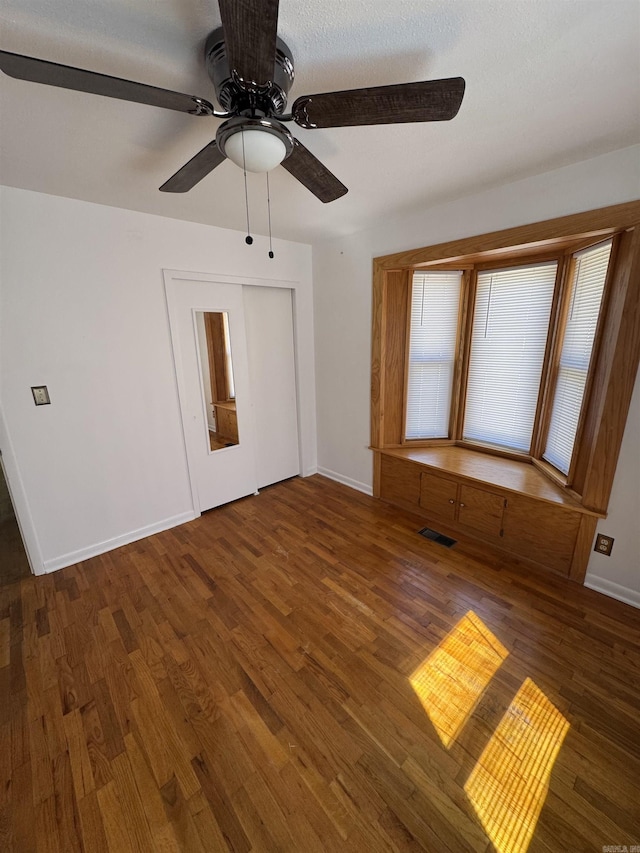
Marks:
<point>195,170</point>
<point>250,37</point>
<point>433,100</point>
<point>66,77</point>
<point>304,166</point>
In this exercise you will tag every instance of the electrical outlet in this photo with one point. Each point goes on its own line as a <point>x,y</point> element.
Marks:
<point>604,544</point>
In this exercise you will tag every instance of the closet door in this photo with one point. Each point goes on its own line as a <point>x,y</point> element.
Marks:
<point>222,465</point>
<point>268,315</point>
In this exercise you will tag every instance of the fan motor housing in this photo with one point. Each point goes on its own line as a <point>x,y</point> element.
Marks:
<point>248,100</point>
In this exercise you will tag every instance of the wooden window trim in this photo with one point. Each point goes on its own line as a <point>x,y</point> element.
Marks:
<point>461,365</point>
<point>614,365</point>
<point>523,260</point>
<point>557,325</point>
<point>490,450</point>
<point>595,353</point>
<point>407,358</point>
<point>551,357</point>
<point>468,307</point>
<point>594,224</point>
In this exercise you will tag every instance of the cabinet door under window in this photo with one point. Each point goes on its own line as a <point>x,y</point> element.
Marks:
<point>439,496</point>
<point>449,500</point>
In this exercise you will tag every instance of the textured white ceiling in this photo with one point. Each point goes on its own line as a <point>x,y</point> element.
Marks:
<point>548,83</point>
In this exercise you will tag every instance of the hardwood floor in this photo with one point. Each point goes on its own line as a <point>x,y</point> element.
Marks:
<point>218,441</point>
<point>300,671</point>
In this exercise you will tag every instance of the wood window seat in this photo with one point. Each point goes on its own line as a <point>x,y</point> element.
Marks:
<point>503,502</point>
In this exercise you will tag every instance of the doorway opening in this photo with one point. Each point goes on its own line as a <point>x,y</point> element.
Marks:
<point>14,565</point>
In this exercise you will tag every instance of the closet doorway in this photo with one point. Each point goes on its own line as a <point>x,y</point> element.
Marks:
<point>234,356</point>
<point>14,565</point>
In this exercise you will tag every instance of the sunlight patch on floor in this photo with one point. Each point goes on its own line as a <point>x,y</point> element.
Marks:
<point>508,785</point>
<point>450,682</point>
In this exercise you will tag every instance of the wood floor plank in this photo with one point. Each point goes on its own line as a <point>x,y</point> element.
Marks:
<point>131,803</point>
<point>119,840</point>
<point>92,827</point>
<point>4,642</point>
<point>21,809</point>
<point>47,831</point>
<point>243,683</point>
<point>214,789</point>
<point>66,805</point>
<point>207,827</point>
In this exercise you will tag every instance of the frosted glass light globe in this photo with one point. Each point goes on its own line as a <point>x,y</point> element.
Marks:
<point>263,151</point>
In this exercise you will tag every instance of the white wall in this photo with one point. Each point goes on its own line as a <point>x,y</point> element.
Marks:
<point>83,311</point>
<point>342,296</point>
<point>619,574</point>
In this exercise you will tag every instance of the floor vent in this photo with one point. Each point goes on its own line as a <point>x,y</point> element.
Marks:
<point>440,538</point>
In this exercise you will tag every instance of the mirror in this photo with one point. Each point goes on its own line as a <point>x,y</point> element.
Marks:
<point>218,388</point>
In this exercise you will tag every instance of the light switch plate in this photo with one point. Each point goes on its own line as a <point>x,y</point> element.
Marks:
<point>40,395</point>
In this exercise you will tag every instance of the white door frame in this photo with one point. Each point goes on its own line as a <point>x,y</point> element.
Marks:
<point>302,332</point>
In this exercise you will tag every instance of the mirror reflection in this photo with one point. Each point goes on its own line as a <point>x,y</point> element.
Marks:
<point>217,378</point>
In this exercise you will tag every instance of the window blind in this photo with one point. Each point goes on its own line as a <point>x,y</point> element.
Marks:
<point>587,287</point>
<point>435,299</point>
<point>510,328</point>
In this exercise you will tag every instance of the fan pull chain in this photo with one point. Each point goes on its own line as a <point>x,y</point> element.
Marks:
<point>248,239</point>
<point>269,212</point>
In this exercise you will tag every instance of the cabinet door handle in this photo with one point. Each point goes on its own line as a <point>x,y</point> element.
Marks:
<point>462,504</point>
<point>451,501</point>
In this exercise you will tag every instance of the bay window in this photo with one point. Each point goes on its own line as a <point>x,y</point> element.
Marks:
<point>498,354</point>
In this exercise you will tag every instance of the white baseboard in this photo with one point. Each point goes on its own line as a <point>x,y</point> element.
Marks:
<point>346,481</point>
<point>109,544</point>
<point>613,590</point>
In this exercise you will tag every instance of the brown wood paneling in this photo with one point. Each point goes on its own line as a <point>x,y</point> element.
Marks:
<point>377,355</point>
<point>377,473</point>
<point>227,421</point>
<point>400,481</point>
<point>583,547</point>
<point>214,324</point>
<point>396,301</point>
<point>438,495</point>
<point>540,526</point>
<point>481,510</point>
<point>520,477</point>
<point>463,347</point>
<point>541,532</point>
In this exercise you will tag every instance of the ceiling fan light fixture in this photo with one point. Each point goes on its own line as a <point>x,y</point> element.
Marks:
<point>257,144</point>
<point>255,150</point>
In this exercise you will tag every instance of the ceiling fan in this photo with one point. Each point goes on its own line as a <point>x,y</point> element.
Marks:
<point>252,71</point>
